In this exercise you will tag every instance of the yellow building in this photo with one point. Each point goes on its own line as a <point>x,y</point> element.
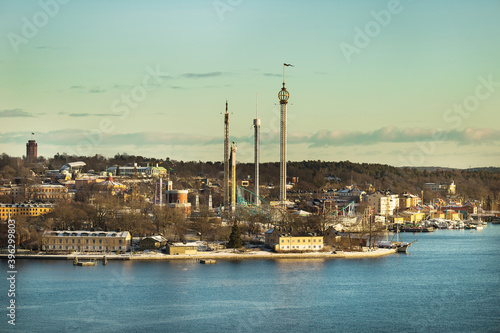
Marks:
<point>396,219</point>
<point>412,217</point>
<point>452,215</point>
<point>437,215</point>
<point>86,241</point>
<point>20,209</point>
<point>280,242</point>
<point>181,248</point>
<point>407,200</point>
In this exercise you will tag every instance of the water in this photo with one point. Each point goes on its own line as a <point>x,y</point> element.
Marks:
<point>449,283</point>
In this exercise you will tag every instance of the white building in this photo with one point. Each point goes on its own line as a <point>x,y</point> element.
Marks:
<point>86,241</point>
<point>383,204</point>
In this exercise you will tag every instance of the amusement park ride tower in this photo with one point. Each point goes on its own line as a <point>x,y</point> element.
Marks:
<point>256,125</point>
<point>283,96</point>
<point>233,176</point>
<point>226,160</point>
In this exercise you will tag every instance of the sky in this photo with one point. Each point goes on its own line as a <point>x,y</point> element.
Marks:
<point>404,83</point>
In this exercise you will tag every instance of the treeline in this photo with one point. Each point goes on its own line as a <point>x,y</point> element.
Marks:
<point>471,183</point>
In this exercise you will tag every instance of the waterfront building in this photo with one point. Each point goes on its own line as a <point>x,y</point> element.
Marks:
<point>449,215</point>
<point>412,217</point>
<point>282,242</point>
<point>86,241</point>
<point>395,219</point>
<point>152,242</point>
<point>24,209</point>
<point>437,214</point>
<point>467,209</point>
<point>181,248</point>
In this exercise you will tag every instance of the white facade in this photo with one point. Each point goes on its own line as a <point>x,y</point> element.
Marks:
<point>383,204</point>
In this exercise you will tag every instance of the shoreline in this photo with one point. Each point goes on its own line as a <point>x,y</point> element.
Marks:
<point>220,256</point>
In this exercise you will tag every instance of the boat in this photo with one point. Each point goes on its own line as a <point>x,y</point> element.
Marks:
<point>400,247</point>
<point>90,262</point>
<point>208,261</point>
<point>385,245</point>
<point>417,229</point>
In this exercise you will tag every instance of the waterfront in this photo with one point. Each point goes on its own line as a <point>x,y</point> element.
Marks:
<point>450,282</point>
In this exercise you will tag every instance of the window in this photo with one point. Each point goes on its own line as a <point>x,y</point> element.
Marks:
<point>93,241</point>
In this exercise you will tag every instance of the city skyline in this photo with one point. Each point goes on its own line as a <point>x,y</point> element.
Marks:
<point>405,83</point>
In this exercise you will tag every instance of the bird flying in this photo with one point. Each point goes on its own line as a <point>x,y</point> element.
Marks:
<point>288,65</point>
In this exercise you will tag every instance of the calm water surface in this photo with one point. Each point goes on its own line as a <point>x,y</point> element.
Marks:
<point>449,283</point>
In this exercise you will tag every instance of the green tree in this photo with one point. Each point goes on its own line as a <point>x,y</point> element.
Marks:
<point>235,241</point>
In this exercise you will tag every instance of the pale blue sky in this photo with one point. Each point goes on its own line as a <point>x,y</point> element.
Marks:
<point>391,101</point>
